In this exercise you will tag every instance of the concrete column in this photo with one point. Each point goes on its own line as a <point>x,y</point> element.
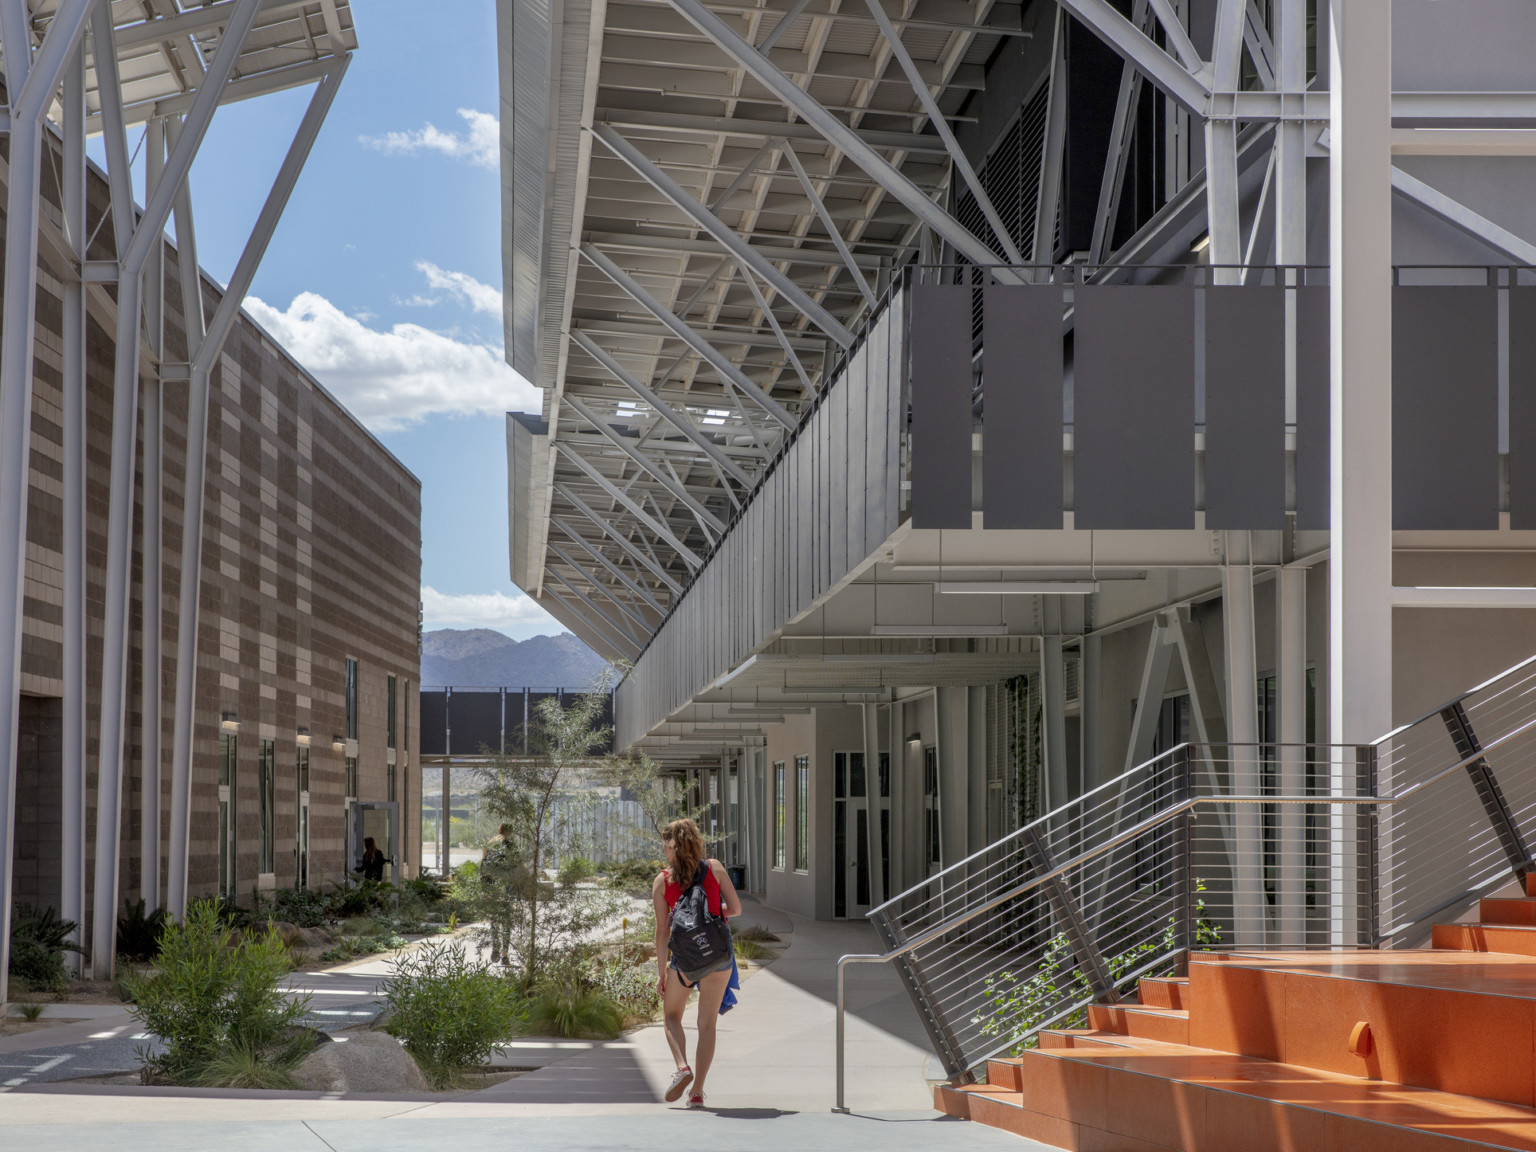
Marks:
<point>899,776</point>
<point>1360,504</point>
<point>1291,685</point>
<point>872,789</point>
<point>1243,731</point>
<point>152,408</point>
<point>1089,672</point>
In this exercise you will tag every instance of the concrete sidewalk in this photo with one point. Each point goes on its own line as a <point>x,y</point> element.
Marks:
<point>771,1087</point>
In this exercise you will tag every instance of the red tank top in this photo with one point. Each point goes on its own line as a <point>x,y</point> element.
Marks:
<point>674,891</point>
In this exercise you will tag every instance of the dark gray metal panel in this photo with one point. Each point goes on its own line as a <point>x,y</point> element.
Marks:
<point>1134,415</point>
<point>834,413</point>
<point>1312,408</point>
<point>856,448</point>
<point>802,509</point>
<point>1522,408</point>
<point>1244,407</point>
<point>1022,409</point>
<point>1445,408</point>
<point>895,415</point>
<point>941,406</point>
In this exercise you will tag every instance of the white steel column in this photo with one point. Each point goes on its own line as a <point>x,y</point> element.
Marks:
<point>871,719</point>
<point>153,600</point>
<point>1226,248</point>
<point>1290,137</point>
<point>1360,497</point>
<point>1088,673</point>
<point>1243,732</point>
<point>898,740</point>
<point>72,783</point>
<point>200,373</point>
<point>1291,686</point>
<point>30,86</point>
<point>1053,673</point>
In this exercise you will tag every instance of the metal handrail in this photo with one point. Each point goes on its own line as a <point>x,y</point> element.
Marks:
<point>1126,835</point>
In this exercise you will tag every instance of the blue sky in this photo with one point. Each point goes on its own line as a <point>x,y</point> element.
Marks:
<point>384,276</point>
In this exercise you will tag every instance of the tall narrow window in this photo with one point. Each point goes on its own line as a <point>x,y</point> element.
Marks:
<point>266,805</point>
<point>389,722</point>
<point>778,814</point>
<point>351,699</point>
<point>392,796</point>
<point>405,719</point>
<point>228,746</point>
<point>351,792</point>
<point>802,813</point>
<point>932,842</point>
<point>301,849</point>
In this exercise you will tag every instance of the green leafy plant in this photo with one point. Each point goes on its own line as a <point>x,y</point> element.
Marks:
<point>755,932</point>
<point>138,932</point>
<point>31,1013</point>
<point>576,870</point>
<point>449,1012</point>
<point>351,947</point>
<point>39,939</point>
<point>630,986</point>
<point>752,950</point>
<point>634,875</point>
<point>214,996</point>
<point>303,907</point>
<point>565,1006</point>
<point>246,1066</point>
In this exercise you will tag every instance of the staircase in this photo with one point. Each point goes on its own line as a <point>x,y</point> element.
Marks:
<point>1295,1052</point>
<point>1224,948</point>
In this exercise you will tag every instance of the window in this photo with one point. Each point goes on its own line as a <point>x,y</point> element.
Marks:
<point>301,849</point>
<point>351,690</point>
<point>266,805</point>
<point>932,839</point>
<point>228,745</point>
<point>389,721</point>
<point>802,813</point>
<point>778,814</point>
<point>405,719</point>
<point>392,782</point>
<point>352,777</point>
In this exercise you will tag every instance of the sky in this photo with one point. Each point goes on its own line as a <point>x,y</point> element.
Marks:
<point>384,277</point>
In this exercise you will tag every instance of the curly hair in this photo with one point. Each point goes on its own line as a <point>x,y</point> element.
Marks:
<point>688,846</point>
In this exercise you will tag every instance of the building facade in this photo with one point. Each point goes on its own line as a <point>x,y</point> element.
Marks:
<point>949,407</point>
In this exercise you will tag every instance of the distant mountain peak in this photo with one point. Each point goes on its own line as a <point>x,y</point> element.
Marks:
<point>484,658</point>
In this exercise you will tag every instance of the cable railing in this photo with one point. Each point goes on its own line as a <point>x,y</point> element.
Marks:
<point>1211,847</point>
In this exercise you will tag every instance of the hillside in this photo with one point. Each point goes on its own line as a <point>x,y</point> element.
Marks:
<point>480,657</point>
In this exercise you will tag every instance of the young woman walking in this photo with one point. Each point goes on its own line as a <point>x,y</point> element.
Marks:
<point>693,948</point>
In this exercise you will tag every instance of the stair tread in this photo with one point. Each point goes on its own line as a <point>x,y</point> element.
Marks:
<point>1492,1122</point>
<point>1504,974</point>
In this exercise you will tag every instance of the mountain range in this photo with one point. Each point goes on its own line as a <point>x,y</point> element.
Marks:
<point>482,658</point>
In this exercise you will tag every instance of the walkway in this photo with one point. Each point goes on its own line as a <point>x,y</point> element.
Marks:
<point>775,1070</point>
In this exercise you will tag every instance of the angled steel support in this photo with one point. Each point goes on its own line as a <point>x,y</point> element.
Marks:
<point>706,518</point>
<point>151,535</point>
<point>748,170</point>
<point>778,330</point>
<point>1121,134</point>
<point>1178,39</point>
<point>658,528</point>
<point>206,356</point>
<point>662,408</point>
<point>729,373</point>
<point>783,25</point>
<point>1500,816</point>
<point>858,149</point>
<point>1458,214</point>
<point>941,126</point>
<point>620,627</point>
<point>1069,914</point>
<point>707,220</point>
<point>609,566</point>
<point>619,641</point>
<point>30,86</point>
<point>1042,247</point>
<point>827,223</point>
<point>1176,80</point>
<point>1261,48</point>
<point>628,610</point>
<point>619,538</point>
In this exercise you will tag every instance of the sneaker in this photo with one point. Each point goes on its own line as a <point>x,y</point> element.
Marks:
<point>696,1101</point>
<point>681,1080</point>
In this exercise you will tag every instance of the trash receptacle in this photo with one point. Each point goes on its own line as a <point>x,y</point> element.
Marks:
<point>738,875</point>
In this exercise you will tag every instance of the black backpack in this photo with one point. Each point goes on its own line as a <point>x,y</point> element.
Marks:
<point>698,938</point>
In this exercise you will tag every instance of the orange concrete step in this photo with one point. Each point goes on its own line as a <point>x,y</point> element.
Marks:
<point>1090,1038</point>
<point>1507,910</point>
<point>1163,991</point>
<point>1003,1072</point>
<point>1511,939</point>
<point>1170,1025</point>
<point>1176,1098</point>
<point>1457,1022</point>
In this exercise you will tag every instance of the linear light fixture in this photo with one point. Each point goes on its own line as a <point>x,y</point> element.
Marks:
<point>1017,587</point>
<point>931,630</point>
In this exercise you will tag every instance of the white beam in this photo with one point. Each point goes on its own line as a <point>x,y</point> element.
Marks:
<point>827,222</point>
<point>609,566</point>
<point>1458,214</point>
<point>1291,690</point>
<point>1243,733</point>
<point>1430,597</point>
<point>657,528</point>
<point>605,523</point>
<point>1186,88</point>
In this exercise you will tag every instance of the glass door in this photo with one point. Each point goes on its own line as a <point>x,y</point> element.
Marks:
<point>850,836</point>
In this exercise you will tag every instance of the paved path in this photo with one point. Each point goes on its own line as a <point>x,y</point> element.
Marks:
<point>771,1088</point>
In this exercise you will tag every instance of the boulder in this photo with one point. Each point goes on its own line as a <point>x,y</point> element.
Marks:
<point>314,938</point>
<point>360,1062</point>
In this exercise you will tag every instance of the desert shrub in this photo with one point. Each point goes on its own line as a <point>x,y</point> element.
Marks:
<point>301,906</point>
<point>449,1012</point>
<point>576,870</point>
<point>752,950</point>
<point>215,996</point>
<point>138,932</point>
<point>360,899</point>
<point>233,915</point>
<point>245,1066</point>
<point>755,932</point>
<point>566,1005</point>
<point>428,889</point>
<point>31,1013</point>
<point>636,875</point>
<point>39,939</point>
<point>631,986</point>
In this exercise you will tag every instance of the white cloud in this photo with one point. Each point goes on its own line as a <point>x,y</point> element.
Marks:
<point>480,143</point>
<point>393,379</point>
<point>477,610</point>
<point>465,288</point>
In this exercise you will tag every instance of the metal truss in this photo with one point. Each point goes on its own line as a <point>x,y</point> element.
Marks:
<point>85,68</point>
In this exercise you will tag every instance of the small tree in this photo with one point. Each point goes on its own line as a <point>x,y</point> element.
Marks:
<point>536,920</point>
<point>662,797</point>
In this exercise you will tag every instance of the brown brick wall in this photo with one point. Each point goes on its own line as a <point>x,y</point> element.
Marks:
<point>311,554</point>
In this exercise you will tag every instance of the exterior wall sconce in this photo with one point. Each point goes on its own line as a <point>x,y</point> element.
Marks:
<point>915,738</point>
<point>301,737</point>
<point>339,743</point>
<point>229,721</point>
